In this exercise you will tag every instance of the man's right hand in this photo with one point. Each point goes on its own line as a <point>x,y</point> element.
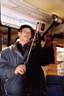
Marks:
<point>20,69</point>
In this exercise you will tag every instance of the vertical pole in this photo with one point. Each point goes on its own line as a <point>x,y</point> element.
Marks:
<point>9,37</point>
<point>0,30</point>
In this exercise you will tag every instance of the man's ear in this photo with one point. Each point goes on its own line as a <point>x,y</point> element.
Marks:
<point>19,34</point>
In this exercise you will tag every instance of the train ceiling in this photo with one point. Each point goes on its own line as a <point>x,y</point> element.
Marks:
<point>42,6</point>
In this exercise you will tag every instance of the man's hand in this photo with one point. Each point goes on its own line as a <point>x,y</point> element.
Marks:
<point>20,69</point>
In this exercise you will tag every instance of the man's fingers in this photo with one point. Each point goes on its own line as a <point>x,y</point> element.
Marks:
<point>21,69</point>
<point>21,72</point>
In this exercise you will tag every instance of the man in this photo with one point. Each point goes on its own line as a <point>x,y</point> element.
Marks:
<point>21,79</point>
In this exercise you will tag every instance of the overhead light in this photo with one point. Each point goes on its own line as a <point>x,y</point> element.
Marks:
<point>57,19</point>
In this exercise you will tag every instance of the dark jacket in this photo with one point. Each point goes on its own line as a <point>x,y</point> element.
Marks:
<point>35,76</point>
<point>33,82</point>
<point>10,58</point>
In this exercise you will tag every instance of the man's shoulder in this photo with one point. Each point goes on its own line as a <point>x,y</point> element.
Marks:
<point>7,49</point>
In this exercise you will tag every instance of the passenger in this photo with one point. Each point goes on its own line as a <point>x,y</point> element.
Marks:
<point>48,56</point>
<point>21,79</point>
<point>48,51</point>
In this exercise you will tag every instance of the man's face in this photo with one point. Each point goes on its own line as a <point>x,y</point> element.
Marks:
<point>24,35</point>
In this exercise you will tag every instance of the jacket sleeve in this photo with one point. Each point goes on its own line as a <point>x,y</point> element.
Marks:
<point>6,70</point>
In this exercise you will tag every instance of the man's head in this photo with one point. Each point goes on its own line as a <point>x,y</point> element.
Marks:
<point>48,38</point>
<point>25,33</point>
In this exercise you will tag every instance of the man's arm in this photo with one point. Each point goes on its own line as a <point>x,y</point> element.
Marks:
<point>8,71</point>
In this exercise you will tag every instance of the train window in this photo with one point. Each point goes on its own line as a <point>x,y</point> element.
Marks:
<point>3,31</point>
<point>8,36</point>
<point>60,54</point>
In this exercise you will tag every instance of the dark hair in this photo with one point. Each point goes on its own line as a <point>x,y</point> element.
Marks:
<point>26,26</point>
<point>47,35</point>
<point>59,36</point>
